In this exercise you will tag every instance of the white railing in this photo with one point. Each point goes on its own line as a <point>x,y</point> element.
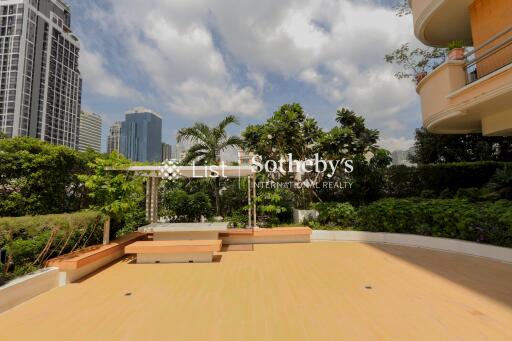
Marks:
<point>494,54</point>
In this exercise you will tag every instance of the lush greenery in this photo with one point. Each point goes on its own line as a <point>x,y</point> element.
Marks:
<point>40,178</point>
<point>27,242</point>
<point>483,222</point>
<point>208,144</point>
<point>446,179</point>
<point>115,192</point>
<point>291,131</point>
<point>180,206</point>
<point>335,214</point>
<point>435,148</point>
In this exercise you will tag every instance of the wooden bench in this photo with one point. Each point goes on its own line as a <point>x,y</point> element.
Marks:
<point>80,263</point>
<point>266,236</point>
<point>174,251</point>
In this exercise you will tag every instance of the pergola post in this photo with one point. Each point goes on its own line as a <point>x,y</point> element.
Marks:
<point>254,201</point>
<point>152,199</point>
<point>249,211</point>
<point>148,199</point>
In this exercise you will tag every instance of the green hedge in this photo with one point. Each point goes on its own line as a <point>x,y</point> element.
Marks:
<point>332,214</point>
<point>403,181</point>
<point>27,242</point>
<point>484,222</point>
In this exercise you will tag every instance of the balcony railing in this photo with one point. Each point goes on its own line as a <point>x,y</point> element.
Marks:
<point>492,55</point>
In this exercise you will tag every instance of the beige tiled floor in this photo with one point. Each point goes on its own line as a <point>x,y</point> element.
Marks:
<point>325,291</point>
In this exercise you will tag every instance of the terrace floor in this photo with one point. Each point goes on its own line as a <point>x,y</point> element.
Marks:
<point>322,290</point>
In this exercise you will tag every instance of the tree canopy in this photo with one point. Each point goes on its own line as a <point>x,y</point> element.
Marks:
<point>208,142</point>
<point>436,148</point>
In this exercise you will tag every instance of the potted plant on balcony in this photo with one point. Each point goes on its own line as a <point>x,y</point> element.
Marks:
<point>416,63</point>
<point>456,50</point>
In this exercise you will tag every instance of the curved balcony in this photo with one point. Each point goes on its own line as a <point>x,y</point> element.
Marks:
<point>438,22</point>
<point>472,95</point>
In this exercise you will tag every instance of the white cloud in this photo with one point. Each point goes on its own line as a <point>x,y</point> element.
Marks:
<point>173,45</point>
<point>99,81</point>
<point>204,57</point>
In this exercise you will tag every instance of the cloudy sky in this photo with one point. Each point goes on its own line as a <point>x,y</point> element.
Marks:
<point>196,60</point>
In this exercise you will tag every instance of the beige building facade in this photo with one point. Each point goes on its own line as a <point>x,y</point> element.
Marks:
<point>472,94</point>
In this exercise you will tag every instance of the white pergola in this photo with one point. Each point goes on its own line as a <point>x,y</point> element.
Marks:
<point>154,175</point>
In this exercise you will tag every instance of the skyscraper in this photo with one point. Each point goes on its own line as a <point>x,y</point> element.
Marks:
<point>114,138</point>
<point>40,87</point>
<point>141,135</point>
<point>90,132</point>
<point>166,151</point>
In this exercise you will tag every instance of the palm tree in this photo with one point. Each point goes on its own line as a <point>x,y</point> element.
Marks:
<point>208,143</point>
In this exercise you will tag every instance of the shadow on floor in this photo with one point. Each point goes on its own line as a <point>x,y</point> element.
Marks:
<point>237,247</point>
<point>127,259</point>
<point>486,277</point>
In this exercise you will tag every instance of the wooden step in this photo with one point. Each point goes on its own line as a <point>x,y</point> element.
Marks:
<point>174,246</point>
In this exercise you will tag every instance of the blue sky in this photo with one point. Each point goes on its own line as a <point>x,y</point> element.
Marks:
<point>196,60</point>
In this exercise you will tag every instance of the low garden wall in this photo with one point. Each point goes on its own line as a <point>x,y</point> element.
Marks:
<point>26,287</point>
<point>502,254</point>
<point>26,243</point>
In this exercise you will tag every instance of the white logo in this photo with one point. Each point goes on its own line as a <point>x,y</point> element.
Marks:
<point>170,170</point>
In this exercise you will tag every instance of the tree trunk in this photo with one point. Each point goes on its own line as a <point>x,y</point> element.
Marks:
<point>217,196</point>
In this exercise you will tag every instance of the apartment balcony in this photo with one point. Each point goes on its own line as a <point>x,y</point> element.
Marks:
<point>438,22</point>
<point>473,95</point>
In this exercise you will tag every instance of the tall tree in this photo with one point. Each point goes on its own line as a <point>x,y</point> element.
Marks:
<point>289,130</point>
<point>435,148</point>
<point>208,143</point>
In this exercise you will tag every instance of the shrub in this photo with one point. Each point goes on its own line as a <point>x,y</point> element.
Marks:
<point>40,178</point>
<point>485,222</point>
<point>27,242</point>
<point>501,182</point>
<point>178,205</point>
<point>403,181</point>
<point>274,207</point>
<point>335,214</point>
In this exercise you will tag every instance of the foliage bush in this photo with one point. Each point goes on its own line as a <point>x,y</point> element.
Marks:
<point>179,206</point>
<point>335,214</point>
<point>40,178</point>
<point>27,242</point>
<point>403,181</point>
<point>485,222</point>
<point>274,207</point>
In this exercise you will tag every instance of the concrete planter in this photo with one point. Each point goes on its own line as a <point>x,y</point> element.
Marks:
<point>300,215</point>
<point>24,288</point>
<point>456,53</point>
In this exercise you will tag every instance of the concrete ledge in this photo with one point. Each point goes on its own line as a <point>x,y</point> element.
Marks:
<point>266,236</point>
<point>80,263</point>
<point>498,253</point>
<point>24,288</point>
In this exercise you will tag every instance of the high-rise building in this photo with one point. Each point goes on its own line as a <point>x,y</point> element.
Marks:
<point>141,135</point>
<point>40,87</point>
<point>401,157</point>
<point>114,138</point>
<point>166,151</point>
<point>90,132</point>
